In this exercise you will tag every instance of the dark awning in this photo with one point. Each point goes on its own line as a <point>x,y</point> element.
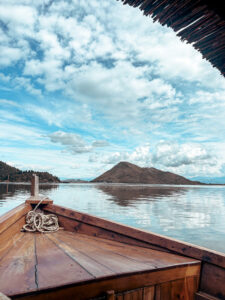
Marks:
<point>199,22</point>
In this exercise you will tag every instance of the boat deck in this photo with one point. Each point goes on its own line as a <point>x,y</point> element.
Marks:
<point>41,261</point>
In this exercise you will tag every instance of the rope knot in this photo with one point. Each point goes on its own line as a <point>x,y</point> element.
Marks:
<point>38,221</point>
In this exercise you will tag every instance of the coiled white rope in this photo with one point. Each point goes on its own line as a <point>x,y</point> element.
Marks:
<point>38,221</point>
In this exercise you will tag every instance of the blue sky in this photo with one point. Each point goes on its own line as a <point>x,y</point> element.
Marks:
<point>86,84</point>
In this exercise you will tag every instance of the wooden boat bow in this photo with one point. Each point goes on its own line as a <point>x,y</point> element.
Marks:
<point>93,258</point>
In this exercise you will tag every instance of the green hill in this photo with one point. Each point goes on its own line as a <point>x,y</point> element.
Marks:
<point>8,173</point>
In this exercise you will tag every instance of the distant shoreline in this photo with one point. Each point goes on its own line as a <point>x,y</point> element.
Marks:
<point>121,173</point>
<point>115,183</point>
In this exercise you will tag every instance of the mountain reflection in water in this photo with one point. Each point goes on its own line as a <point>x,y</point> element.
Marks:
<point>126,195</point>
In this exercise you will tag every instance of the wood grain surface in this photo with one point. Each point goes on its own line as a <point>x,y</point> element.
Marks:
<point>92,225</point>
<point>46,262</point>
<point>13,216</point>
<point>17,268</point>
<point>213,280</point>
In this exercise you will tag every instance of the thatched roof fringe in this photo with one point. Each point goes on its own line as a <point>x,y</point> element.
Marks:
<point>200,22</point>
<point>198,28</point>
<point>172,12</point>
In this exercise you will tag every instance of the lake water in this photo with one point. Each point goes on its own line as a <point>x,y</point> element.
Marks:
<point>195,214</point>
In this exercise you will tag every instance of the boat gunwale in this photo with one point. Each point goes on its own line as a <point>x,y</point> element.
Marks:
<point>11,217</point>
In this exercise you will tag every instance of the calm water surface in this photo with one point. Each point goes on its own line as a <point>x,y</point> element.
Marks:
<point>194,214</point>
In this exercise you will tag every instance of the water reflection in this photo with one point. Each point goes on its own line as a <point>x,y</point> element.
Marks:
<point>127,195</point>
<point>10,190</point>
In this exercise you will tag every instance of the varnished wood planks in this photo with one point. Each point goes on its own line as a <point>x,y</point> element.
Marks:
<point>97,269</point>
<point>76,226</point>
<point>91,225</point>
<point>115,262</point>
<point>133,295</point>
<point>145,293</point>
<point>213,280</point>
<point>9,237</point>
<point>172,290</point>
<point>54,266</point>
<point>17,269</point>
<point>10,226</point>
<point>95,288</point>
<point>177,289</point>
<point>64,264</point>
<point>153,258</point>
<point>149,293</point>
<point>12,216</point>
<point>192,285</point>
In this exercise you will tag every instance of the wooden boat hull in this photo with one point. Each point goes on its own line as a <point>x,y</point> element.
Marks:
<point>193,272</point>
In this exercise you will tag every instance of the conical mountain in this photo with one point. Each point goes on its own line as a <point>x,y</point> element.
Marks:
<point>125,172</point>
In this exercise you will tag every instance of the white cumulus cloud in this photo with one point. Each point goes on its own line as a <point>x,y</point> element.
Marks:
<point>74,142</point>
<point>174,155</point>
